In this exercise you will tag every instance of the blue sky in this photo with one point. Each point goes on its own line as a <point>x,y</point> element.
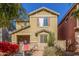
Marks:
<point>61,8</point>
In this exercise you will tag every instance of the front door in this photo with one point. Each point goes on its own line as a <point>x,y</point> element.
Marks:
<point>22,40</point>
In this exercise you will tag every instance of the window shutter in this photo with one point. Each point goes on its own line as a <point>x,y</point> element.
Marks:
<point>38,21</point>
<point>48,21</point>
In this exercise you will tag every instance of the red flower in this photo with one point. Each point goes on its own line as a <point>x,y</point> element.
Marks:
<point>8,47</point>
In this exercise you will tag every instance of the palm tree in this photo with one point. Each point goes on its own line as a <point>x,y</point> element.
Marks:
<point>9,12</point>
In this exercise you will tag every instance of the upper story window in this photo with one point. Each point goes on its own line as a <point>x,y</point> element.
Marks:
<point>43,21</point>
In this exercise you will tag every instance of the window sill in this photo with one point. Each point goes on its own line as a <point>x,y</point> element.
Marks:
<point>44,27</point>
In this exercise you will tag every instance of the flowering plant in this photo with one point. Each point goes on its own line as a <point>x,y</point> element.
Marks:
<point>8,48</point>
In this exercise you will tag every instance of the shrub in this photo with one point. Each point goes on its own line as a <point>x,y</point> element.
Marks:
<point>8,48</point>
<point>72,47</point>
<point>52,51</point>
<point>59,52</point>
<point>51,39</point>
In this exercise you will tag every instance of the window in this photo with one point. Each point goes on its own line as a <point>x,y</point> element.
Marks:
<point>43,38</point>
<point>43,21</point>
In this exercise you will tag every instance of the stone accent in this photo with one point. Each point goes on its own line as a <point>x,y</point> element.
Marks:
<point>61,44</point>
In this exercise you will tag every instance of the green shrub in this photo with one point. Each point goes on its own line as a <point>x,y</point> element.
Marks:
<point>52,51</point>
<point>51,39</point>
<point>59,52</point>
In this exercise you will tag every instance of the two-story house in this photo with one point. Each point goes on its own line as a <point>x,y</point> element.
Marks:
<point>68,30</point>
<point>36,30</point>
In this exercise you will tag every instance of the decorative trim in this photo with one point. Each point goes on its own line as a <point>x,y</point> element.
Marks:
<point>43,30</point>
<point>67,14</point>
<point>19,30</point>
<point>52,11</point>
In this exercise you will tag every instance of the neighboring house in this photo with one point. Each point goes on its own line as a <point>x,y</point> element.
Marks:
<point>68,30</point>
<point>36,30</point>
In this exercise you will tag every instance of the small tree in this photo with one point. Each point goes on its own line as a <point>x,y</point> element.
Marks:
<point>51,39</point>
<point>76,14</point>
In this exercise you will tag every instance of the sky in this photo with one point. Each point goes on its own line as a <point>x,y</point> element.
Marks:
<point>61,8</point>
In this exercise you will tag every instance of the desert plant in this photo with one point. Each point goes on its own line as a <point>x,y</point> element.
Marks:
<point>51,39</point>
<point>52,51</point>
<point>59,52</point>
<point>49,51</point>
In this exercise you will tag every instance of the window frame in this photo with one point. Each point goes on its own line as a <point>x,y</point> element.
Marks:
<point>43,21</point>
<point>43,36</point>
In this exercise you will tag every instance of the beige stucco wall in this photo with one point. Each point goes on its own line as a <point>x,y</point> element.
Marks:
<point>21,24</point>
<point>23,32</point>
<point>53,22</point>
<point>34,28</point>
